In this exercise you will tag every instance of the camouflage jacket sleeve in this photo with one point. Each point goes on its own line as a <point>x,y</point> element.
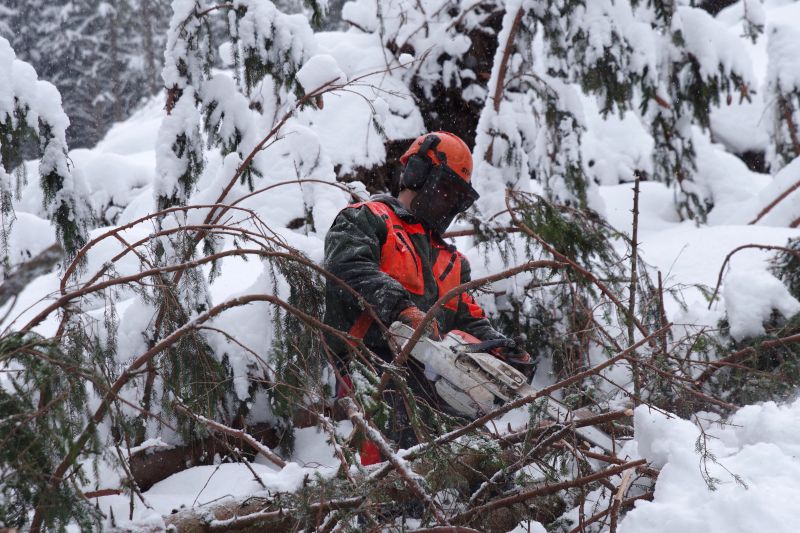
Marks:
<point>469,316</point>
<point>352,253</point>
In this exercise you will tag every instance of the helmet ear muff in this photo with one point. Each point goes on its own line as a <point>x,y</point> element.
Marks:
<point>419,165</point>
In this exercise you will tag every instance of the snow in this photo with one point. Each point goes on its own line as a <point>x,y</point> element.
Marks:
<point>751,297</point>
<point>784,64</point>
<point>712,45</point>
<point>378,99</point>
<point>614,147</point>
<point>205,485</point>
<point>30,236</point>
<point>529,526</point>
<point>690,256</point>
<point>320,71</point>
<point>788,210</point>
<point>312,449</point>
<point>743,126</point>
<point>362,14</point>
<point>759,446</point>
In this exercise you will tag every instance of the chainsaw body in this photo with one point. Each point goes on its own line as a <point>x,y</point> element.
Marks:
<point>472,383</point>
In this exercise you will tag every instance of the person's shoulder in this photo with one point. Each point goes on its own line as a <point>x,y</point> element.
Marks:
<point>381,205</point>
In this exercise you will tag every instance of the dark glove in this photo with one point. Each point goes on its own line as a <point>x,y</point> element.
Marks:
<point>516,357</point>
<point>412,316</point>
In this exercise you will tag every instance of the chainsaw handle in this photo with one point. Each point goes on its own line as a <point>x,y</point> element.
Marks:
<point>486,346</point>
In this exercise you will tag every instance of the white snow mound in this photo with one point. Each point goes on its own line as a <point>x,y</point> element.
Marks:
<point>750,298</point>
<point>758,446</point>
<point>321,69</point>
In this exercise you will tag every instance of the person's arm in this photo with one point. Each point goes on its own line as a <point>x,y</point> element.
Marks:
<point>470,317</point>
<point>353,254</point>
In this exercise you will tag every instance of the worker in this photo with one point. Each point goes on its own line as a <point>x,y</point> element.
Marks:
<point>391,252</point>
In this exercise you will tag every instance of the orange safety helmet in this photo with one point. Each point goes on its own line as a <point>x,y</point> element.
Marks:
<point>457,154</point>
<point>438,167</point>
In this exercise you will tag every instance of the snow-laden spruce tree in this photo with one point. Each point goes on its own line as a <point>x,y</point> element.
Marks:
<point>32,121</point>
<point>633,56</point>
<point>236,130</point>
<point>481,69</point>
<point>753,18</point>
<point>104,57</point>
<point>42,397</point>
<point>783,96</point>
<point>532,119</point>
<point>698,63</point>
<point>174,347</point>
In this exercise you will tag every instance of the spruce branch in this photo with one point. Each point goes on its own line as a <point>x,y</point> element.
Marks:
<point>77,446</point>
<point>575,266</point>
<point>237,433</point>
<point>468,516</point>
<point>411,479</point>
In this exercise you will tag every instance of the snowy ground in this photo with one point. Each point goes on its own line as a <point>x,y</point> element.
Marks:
<point>760,445</point>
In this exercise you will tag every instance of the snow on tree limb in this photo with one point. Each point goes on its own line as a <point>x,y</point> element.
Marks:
<point>31,109</point>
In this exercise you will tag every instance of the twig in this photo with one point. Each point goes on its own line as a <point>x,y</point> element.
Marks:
<point>786,109</point>
<point>713,366</point>
<point>576,423</point>
<point>471,232</point>
<point>541,491</point>
<point>237,433</point>
<point>744,247</point>
<point>637,382</point>
<point>501,72</point>
<point>617,501</point>
<point>399,464</point>
<point>778,199</point>
<point>599,516</point>
<point>102,492</point>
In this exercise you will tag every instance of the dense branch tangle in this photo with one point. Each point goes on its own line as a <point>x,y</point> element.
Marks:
<point>166,272</point>
<point>224,221</point>
<point>263,243</point>
<point>267,246</point>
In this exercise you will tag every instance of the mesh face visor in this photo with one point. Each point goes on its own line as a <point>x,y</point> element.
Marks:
<point>444,196</point>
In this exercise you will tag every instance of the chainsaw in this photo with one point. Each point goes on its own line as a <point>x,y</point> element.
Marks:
<point>472,382</point>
